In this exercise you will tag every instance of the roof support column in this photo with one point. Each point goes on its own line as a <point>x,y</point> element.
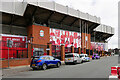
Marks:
<point>12,19</point>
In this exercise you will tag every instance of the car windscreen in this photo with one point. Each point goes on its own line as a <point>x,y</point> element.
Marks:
<point>43,57</point>
<point>36,58</point>
<point>86,55</point>
<point>81,55</point>
<point>67,56</point>
<point>98,55</point>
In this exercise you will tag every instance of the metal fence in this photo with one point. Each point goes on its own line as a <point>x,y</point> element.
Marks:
<point>91,52</point>
<point>39,50</point>
<point>76,50</point>
<point>56,51</point>
<point>17,50</point>
<point>95,51</point>
<point>87,51</point>
<point>68,50</point>
<point>15,44</point>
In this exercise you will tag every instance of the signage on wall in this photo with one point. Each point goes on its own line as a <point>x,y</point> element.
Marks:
<point>48,49</point>
<point>86,38</point>
<point>17,41</point>
<point>41,33</point>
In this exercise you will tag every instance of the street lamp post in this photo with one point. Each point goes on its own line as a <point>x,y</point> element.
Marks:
<point>9,45</point>
<point>30,42</point>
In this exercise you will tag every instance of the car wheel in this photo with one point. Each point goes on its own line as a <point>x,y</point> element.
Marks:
<point>58,64</point>
<point>34,68</point>
<point>74,62</point>
<point>44,66</point>
<point>82,61</point>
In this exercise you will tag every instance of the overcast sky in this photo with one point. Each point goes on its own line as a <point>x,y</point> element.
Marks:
<point>107,10</point>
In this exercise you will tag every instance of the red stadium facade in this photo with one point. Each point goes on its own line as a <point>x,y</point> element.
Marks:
<point>57,38</point>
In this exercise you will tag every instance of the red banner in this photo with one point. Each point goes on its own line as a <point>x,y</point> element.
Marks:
<point>19,46</point>
<point>68,38</point>
<point>98,46</point>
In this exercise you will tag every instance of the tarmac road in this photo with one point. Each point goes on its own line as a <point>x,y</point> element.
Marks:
<point>94,69</point>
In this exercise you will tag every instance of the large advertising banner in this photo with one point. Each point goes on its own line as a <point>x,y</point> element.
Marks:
<point>67,38</point>
<point>18,41</point>
<point>18,47</point>
<point>98,46</point>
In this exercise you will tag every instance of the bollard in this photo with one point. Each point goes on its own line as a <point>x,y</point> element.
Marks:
<point>114,71</point>
<point>118,69</point>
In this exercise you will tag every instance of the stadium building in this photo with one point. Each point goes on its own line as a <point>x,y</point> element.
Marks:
<point>48,28</point>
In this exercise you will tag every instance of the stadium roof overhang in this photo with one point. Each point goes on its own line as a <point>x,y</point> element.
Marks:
<point>58,20</point>
<point>100,36</point>
<point>102,32</point>
<point>53,15</point>
<point>50,13</point>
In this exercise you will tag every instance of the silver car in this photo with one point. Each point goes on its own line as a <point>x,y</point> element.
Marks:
<point>72,58</point>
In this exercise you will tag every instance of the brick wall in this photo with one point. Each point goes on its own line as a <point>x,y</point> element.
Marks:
<point>36,34</point>
<point>15,62</point>
<point>34,31</point>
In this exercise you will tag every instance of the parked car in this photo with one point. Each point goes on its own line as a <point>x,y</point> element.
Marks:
<point>84,57</point>
<point>72,58</point>
<point>42,62</point>
<point>95,56</point>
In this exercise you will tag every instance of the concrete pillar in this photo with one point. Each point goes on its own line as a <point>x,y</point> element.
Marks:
<point>79,50</point>
<point>50,47</point>
<point>72,49</point>
<point>62,53</point>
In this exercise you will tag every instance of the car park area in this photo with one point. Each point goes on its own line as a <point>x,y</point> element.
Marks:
<point>94,69</point>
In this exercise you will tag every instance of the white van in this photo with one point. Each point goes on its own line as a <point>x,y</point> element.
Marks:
<point>72,58</point>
